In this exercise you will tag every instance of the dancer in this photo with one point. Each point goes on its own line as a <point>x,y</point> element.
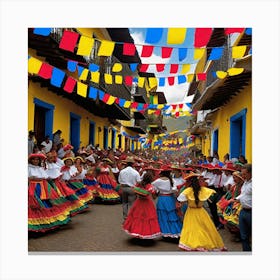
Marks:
<point>142,220</point>
<point>199,232</point>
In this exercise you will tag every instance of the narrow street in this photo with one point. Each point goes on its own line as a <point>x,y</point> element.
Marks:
<point>99,230</point>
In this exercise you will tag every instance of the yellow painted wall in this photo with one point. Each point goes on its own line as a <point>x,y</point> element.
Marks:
<point>221,121</point>
<point>61,120</point>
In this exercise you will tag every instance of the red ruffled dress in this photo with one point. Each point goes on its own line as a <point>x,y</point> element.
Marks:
<point>142,220</point>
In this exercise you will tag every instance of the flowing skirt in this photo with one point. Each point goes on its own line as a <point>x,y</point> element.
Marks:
<point>107,192</point>
<point>142,221</point>
<point>199,232</point>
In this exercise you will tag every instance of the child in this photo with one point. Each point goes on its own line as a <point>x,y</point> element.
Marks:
<point>142,220</point>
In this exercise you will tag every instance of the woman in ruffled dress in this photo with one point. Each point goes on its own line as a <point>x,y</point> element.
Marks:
<point>107,192</point>
<point>169,220</point>
<point>43,212</point>
<point>199,232</point>
<point>142,220</point>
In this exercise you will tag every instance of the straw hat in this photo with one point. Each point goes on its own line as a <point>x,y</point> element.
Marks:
<point>70,158</point>
<point>129,159</point>
<point>78,157</point>
<point>108,160</point>
<point>238,174</point>
<point>191,175</point>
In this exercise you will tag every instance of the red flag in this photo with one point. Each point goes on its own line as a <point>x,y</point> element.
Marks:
<point>69,40</point>
<point>202,37</point>
<point>233,30</point>
<point>174,68</point>
<point>174,107</point>
<point>171,80</point>
<point>157,112</point>
<point>147,51</point>
<point>201,76</point>
<point>177,114</point>
<point>128,80</point>
<point>160,67</point>
<point>134,105</point>
<point>144,67</point>
<point>146,106</point>
<point>69,85</point>
<point>166,52</point>
<point>117,101</point>
<point>45,71</point>
<point>181,106</point>
<point>129,49</point>
<point>106,97</point>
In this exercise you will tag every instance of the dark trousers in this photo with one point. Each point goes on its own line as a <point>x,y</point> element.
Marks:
<point>213,204</point>
<point>245,227</point>
<point>128,197</point>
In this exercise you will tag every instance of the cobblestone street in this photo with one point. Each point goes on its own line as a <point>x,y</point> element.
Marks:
<point>99,230</point>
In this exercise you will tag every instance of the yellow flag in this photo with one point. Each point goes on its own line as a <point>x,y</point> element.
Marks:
<point>221,74</point>
<point>82,89</point>
<point>198,53</point>
<point>238,52</point>
<point>118,79</point>
<point>185,68</point>
<point>84,75</point>
<point>235,71</point>
<point>155,99</point>
<point>141,81</point>
<point>85,45</point>
<point>34,65</point>
<point>106,48</point>
<point>117,67</point>
<point>160,106</point>
<point>108,78</point>
<point>111,100</point>
<point>176,35</point>
<point>190,78</point>
<point>153,82</point>
<point>127,104</point>
<point>95,77</point>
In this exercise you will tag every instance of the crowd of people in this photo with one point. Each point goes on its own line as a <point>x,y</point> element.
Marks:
<point>162,196</point>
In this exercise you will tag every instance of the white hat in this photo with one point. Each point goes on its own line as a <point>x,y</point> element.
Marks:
<point>90,158</point>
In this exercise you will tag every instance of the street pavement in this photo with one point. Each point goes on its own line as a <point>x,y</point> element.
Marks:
<point>99,229</point>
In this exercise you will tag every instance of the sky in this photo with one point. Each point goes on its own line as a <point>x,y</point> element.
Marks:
<point>176,93</point>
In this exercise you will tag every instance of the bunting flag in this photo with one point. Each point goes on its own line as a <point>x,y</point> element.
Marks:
<point>176,36</point>
<point>84,75</point>
<point>106,48</point>
<point>238,52</point>
<point>141,82</point>
<point>182,53</point>
<point>201,76</point>
<point>69,40</point>
<point>80,70</point>
<point>117,67</point>
<point>72,66</point>
<point>235,71</point>
<point>166,52</point>
<point>133,66</point>
<point>93,67</point>
<point>108,78</point>
<point>57,77</point>
<point>147,51</point>
<point>154,99</point>
<point>152,82</point>
<point>216,53</point>
<point>190,77</point>
<point>93,93</point>
<point>128,80</point>
<point>144,67</point>
<point>69,84</point>
<point>45,71</point>
<point>161,82</point>
<point>182,79</point>
<point>127,104</point>
<point>34,65</point>
<point>129,49</point>
<point>171,80</point>
<point>185,68</point>
<point>248,31</point>
<point>85,46</point>
<point>174,68</point>
<point>233,30</point>
<point>160,67</point>
<point>202,37</point>
<point>153,35</point>
<point>118,79</point>
<point>221,74</point>
<point>42,31</point>
<point>95,76</point>
<point>82,89</point>
<point>198,54</point>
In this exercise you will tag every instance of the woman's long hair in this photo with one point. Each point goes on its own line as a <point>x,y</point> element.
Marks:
<point>167,173</point>
<point>147,179</point>
<point>196,188</point>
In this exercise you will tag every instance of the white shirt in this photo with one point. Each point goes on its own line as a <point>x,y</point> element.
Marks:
<point>129,176</point>
<point>227,180</point>
<point>47,146</point>
<point>245,196</point>
<point>53,170</point>
<point>69,174</point>
<point>164,186</point>
<point>178,181</point>
<point>37,171</point>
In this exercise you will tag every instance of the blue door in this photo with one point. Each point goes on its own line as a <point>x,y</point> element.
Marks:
<point>105,138</point>
<point>75,131</point>
<point>238,134</point>
<point>113,138</point>
<point>91,133</point>
<point>215,140</point>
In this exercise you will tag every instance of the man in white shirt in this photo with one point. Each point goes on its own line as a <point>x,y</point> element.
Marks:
<point>47,143</point>
<point>245,216</point>
<point>128,178</point>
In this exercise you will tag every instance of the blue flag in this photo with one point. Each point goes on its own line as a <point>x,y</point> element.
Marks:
<point>93,93</point>
<point>42,31</point>
<point>153,35</point>
<point>182,53</point>
<point>57,77</point>
<point>72,66</point>
<point>216,53</point>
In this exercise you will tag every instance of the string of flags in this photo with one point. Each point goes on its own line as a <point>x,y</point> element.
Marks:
<point>59,78</point>
<point>84,45</point>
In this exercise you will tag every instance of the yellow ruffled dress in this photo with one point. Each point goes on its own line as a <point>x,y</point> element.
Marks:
<point>199,232</point>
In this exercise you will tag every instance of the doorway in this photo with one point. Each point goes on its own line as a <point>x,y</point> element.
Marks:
<point>75,131</point>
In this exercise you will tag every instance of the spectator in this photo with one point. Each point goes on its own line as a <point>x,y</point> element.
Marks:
<point>47,143</point>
